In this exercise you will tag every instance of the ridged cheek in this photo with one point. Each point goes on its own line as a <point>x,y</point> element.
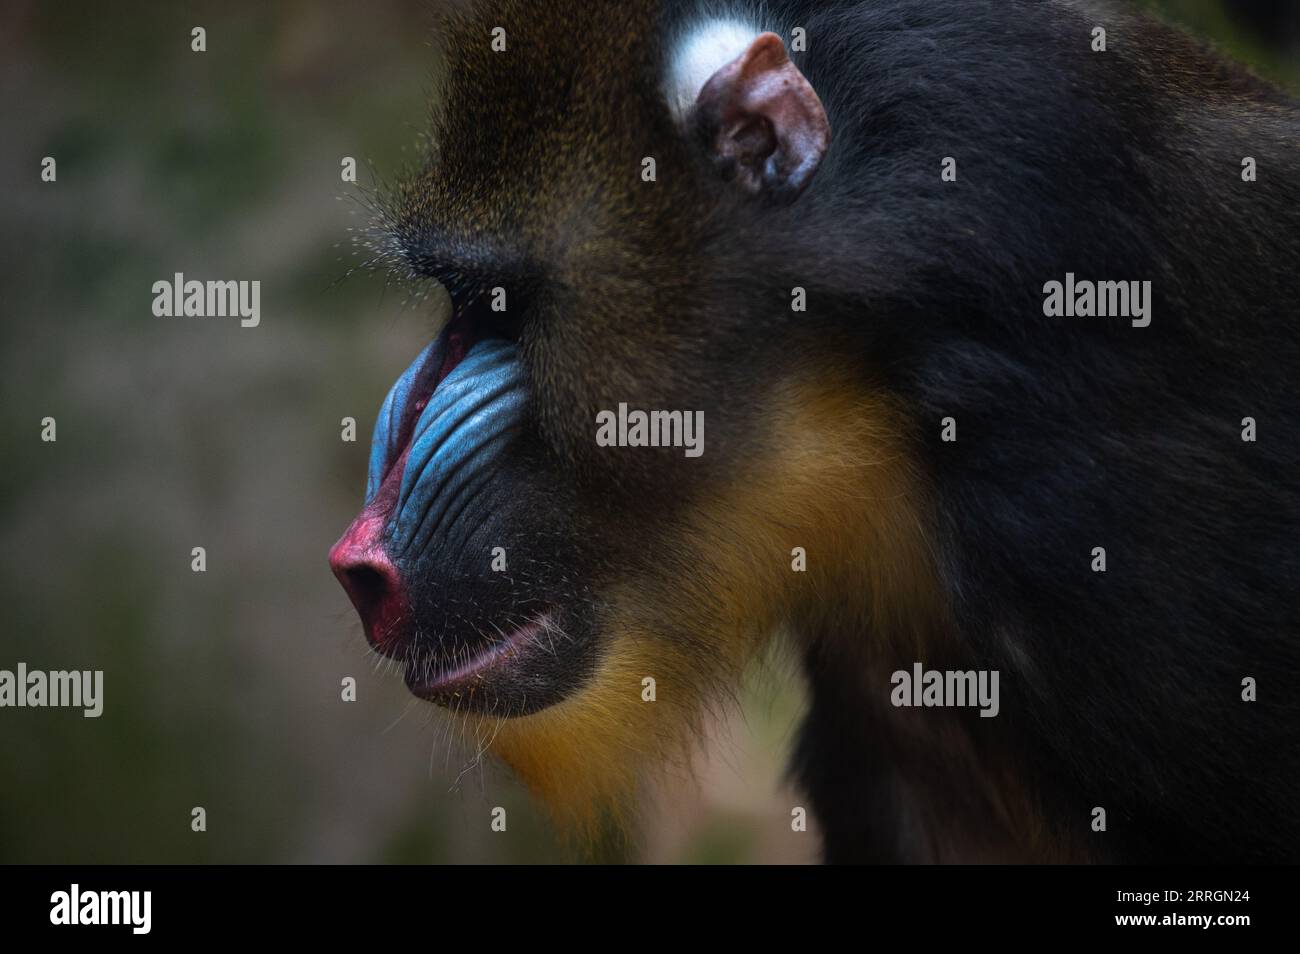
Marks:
<point>383,445</point>
<point>458,444</point>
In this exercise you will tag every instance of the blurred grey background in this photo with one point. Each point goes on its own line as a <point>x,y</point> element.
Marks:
<point>222,689</point>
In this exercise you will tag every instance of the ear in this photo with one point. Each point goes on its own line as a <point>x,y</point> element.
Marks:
<point>762,121</point>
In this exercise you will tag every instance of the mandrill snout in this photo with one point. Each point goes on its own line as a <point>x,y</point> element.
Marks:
<point>372,582</point>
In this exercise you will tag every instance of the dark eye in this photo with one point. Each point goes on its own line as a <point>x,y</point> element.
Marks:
<point>491,289</point>
<point>496,311</point>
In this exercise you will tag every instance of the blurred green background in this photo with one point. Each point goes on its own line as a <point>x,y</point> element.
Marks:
<point>222,689</point>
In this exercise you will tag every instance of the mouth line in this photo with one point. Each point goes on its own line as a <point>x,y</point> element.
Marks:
<point>464,677</point>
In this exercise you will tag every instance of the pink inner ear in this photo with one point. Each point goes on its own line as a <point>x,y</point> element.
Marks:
<point>767,123</point>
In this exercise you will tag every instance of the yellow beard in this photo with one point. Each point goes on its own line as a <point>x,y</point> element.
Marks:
<point>836,482</point>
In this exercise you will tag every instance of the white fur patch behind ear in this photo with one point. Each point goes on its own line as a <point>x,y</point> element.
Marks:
<point>703,50</point>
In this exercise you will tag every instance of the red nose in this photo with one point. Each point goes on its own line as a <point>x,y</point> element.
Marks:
<point>372,582</point>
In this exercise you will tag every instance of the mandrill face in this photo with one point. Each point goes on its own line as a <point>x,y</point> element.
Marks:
<point>457,563</point>
<point>526,567</point>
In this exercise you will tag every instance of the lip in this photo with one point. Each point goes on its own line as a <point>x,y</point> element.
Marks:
<point>449,684</point>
